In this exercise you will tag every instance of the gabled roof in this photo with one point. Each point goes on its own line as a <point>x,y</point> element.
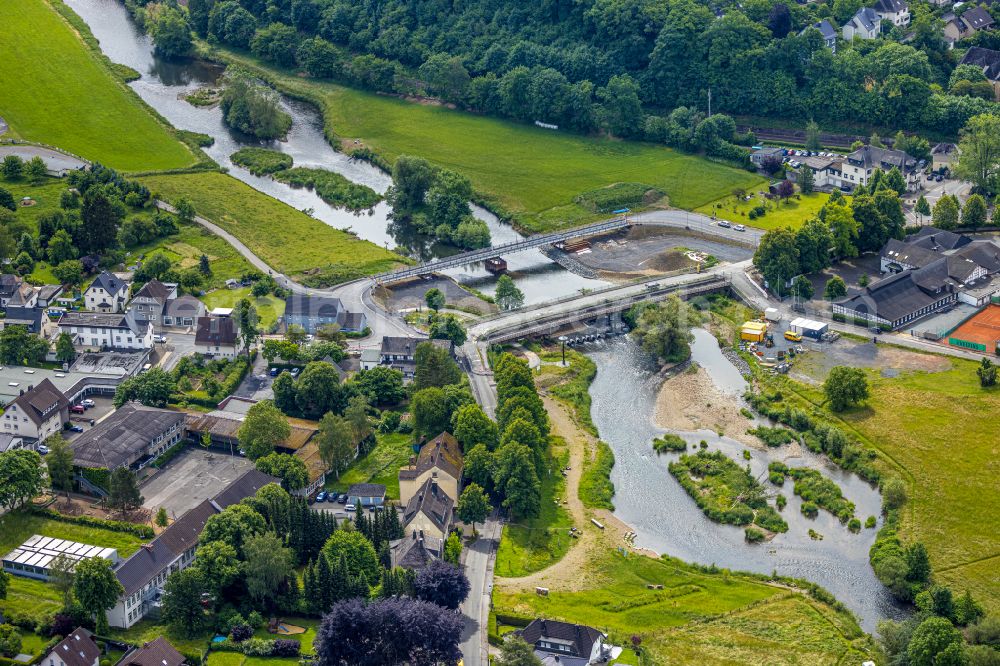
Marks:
<point>936,239</point>
<point>213,331</point>
<point>303,305</point>
<point>433,502</point>
<point>891,6</point>
<point>9,284</point>
<point>40,402</point>
<point>414,552</point>
<point>30,317</point>
<point>883,158</point>
<point>366,490</point>
<point>123,435</point>
<point>99,319</point>
<point>154,289</point>
<point>891,298</point>
<point>910,254</point>
<point>154,653</point>
<point>984,253</point>
<point>21,295</point>
<point>977,18</point>
<point>109,283</point>
<point>579,638</point>
<point>825,29</point>
<point>986,59</point>
<point>78,648</point>
<point>185,306</point>
<point>866,18</point>
<point>443,453</point>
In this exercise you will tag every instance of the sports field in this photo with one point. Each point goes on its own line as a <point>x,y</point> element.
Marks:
<point>56,91</point>
<point>533,173</point>
<point>982,328</point>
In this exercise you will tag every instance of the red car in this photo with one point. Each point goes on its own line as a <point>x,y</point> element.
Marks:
<point>77,409</point>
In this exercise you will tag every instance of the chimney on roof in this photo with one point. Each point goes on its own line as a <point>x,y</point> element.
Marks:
<point>413,461</point>
<point>21,392</point>
<point>434,487</point>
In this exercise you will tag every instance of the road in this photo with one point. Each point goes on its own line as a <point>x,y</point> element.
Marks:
<point>479,558</point>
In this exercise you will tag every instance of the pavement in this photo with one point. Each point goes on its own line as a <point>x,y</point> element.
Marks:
<point>58,162</point>
<point>190,478</point>
<point>479,558</point>
<point>177,346</point>
<point>257,384</point>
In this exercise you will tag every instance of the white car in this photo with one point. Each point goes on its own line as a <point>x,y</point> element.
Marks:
<point>159,338</point>
<point>350,507</point>
<point>43,450</point>
<point>88,403</point>
<point>724,224</point>
<point>740,227</point>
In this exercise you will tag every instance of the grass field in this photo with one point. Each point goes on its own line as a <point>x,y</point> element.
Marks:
<point>288,240</point>
<point>58,92</point>
<point>531,172</point>
<point>186,247</point>
<point>791,213</point>
<point>381,465</point>
<point>46,195</point>
<point>934,429</point>
<point>533,544</point>
<point>269,308</point>
<point>698,617</point>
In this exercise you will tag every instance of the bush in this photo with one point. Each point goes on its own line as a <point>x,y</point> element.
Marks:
<point>241,632</point>
<point>286,647</point>
<point>753,535</point>
<point>772,436</point>
<point>854,525</point>
<point>780,501</point>
<point>141,531</point>
<point>810,510</point>
<point>596,490</point>
<point>669,442</point>
<point>870,522</point>
<point>257,647</point>
<point>261,161</point>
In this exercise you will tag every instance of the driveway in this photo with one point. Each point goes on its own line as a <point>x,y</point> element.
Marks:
<point>478,558</point>
<point>176,346</point>
<point>933,192</point>
<point>257,384</point>
<point>190,478</point>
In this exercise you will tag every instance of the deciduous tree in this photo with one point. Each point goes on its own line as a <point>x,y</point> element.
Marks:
<point>507,295</point>
<point>441,583</point>
<point>182,608</point>
<point>845,387</point>
<point>263,428</point>
<point>337,446</point>
<point>473,505</point>
<point>97,589</point>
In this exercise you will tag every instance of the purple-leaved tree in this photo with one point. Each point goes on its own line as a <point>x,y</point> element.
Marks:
<point>441,583</point>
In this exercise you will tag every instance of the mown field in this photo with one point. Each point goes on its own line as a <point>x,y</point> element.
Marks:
<point>381,465</point>
<point>938,432</point>
<point>269,308</point>
<point>288,240</point>
<point>717,618</point>
<point>791,213</point>
<point>531,172</point>
<point>56,91</point>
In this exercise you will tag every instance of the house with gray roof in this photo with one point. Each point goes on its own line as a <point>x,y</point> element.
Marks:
<point>429,511</point>
<point>33,319</point>
<point>865,24</point>
<point>144,574</point>
<point>183,311</point>
<point>131,436</point>
<point>37,413</point>
<point>969,23</point>
<point>78,649</point>
<point>415,551</point>
<point>157,652</point>
<point>988,61</point>
<point>895,12</point>
<point>107,293</point>
<point>858,167</point>
<point>97,330</point>
<point>149,303</point>
<point>312,312</point>
<point>827,32</point>
<point>564,643</point>
<point>217,337</point>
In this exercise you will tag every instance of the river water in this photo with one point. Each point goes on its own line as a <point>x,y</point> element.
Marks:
<point>667,521</point>
<point>162,86</point>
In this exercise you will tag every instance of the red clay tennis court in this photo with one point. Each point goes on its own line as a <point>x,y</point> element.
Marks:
<point>982,328</point>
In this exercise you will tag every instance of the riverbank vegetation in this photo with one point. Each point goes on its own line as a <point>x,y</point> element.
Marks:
<point>724,491</point>
<point>596,489</point>
<point>663,330</point>
<point>571,384</point>
<point>63,93</point>
<point>251,107</point>
<point>700,615</point>
<point>261,161</point>
<point>813,487</point>
<point>289,241</point>
<point>669,443</point>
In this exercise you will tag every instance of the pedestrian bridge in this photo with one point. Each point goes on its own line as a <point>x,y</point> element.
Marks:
<point>509,248</point>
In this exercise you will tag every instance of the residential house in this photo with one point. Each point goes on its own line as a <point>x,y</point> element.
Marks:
<point>9,284</point>
<point>130,437</point>
<point>859,166</point>
<point>366,494</point>
<point>758,156</point>
<point>827,32</point>
<point>895,12</point>
<point>312,312</point>
<point>564,643</point>
<point>158,652</point>
<point>77,649</point>
<point>144,573</point>
<point>34,319</point>
<point>969,23</point>
<point>988,61</point>
<point>218,337</point>
<point>415,551</point>
<point>37,413</point>
<point>94,330</point>
<point>149,303</point>
<point>865,24</point>
<point>944,155</point>
<point>440,460</point>
<point>47,294</point>
<point>10,442</point>
<point>183,311</point>
<point>399,352</point>
<point>370,358</point>
<point>25,296</point>
<point>827,171</point>
<point>107,293</point>
<point>429,512</point>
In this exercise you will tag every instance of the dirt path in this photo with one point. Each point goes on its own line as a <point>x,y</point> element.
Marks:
<point>568,573</point>
<point>690,401</point>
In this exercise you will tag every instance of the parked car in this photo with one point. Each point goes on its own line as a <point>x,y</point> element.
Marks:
<point>77,409</point>
<point>42,449</point>
<point>724,224</point>
<point>350,507</point>
<point>76,428</point>
<point>321,496</point>
<point>159,339</point>
<point>740,227</point>
<point>295,372</point>
<point>88,403</point>
<point>273,372</point>
<point>342,498</point>
<point>332,497</point>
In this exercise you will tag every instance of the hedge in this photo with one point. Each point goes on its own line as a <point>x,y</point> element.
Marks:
<point>141,531</point>
<point>99,476</point>
<point>169,454</point>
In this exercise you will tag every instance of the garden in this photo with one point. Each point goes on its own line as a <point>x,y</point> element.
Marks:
<point>204,382</point>
<point>269,308</point>
<point>380,465</point>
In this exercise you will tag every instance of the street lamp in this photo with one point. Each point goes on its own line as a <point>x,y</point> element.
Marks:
<point>563,339</point>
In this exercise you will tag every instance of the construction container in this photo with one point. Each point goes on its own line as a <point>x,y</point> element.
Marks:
<point>808,328</point>
<point>753,331</point>
<point>772,314</point>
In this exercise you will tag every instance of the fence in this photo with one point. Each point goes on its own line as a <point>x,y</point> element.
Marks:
<point>965,344</point>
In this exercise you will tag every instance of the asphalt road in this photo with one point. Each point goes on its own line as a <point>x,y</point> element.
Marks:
<point>479,558</point>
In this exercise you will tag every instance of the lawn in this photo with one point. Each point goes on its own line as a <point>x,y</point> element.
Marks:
<point>60,93</point>
<point>186,247</point>
<point>531,545</point>
<point>533,173</point>
<point>269,308</point>
<point>46,195</point>
<point>381,465</point>
<point>937,427</point>
<point>711,617</point>
<point>791,213</point>
<point>149,630</point>
<point>288,240</point>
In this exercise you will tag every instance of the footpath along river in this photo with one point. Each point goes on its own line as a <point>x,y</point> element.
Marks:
<point>666,519</point>
<point>163,84</point>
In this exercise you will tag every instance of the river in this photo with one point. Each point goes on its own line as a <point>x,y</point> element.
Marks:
<point>163,84</point>
<point>667,521</point>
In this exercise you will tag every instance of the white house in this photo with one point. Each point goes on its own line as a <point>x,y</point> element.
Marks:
<point>827,32</point>
<point>77,649</point>
<point>866,24</point>
<point>218,337</point>
<point>859,166</point>
<point>106,293</point>
<point>95,330</point>
<point>896,12</point>
<point>37,413</point>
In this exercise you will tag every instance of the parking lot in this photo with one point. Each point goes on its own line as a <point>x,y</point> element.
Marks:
<point>190,478</point>
<point>102,407</point>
